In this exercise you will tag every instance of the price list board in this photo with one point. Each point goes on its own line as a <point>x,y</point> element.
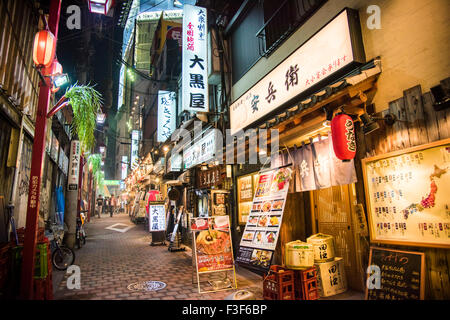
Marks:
<point>407,196</point>
<point>401,275</point>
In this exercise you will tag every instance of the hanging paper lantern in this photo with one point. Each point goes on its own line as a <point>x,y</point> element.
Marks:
<point>44,48</point>
<point>343,135</point>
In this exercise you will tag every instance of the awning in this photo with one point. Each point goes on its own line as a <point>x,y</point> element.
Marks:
<point>352,85</point>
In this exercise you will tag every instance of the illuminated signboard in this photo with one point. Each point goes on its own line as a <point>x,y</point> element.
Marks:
<point>134,146</point>
<point>195,59</point>
<point>124,167</point>
<point>326,54</point>
<point>202,151</point>
<point>166,115</point>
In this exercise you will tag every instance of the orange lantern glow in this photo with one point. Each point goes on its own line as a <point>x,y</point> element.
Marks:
<point>343,135</point>
<point>44,48</point>
<point>54,69</point>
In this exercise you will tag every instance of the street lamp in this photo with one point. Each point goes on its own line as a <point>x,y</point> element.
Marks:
<point>100,6</point>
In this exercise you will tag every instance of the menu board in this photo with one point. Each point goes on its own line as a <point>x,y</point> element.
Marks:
<point>157,217</point>
<point>261,232</point>
<point>212,242</point>
<point>246,189</point>
<point>407,196</point>
<point>401,275</point>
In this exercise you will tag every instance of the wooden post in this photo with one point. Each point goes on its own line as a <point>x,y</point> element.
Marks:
<point>31,226</point>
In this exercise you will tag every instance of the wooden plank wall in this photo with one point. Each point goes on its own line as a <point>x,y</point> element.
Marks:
<point>18,26</point>
<point>423,125</point>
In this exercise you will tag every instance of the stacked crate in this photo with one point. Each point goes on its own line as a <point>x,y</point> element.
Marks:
<point>305,284</point>
<point>279,284</point>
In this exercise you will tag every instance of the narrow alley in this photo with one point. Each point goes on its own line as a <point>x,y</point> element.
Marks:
<point>113,260</point>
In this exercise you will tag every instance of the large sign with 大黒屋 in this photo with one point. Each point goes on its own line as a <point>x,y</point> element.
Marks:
<point>166,115</point>
<point>326,54</point>
<point>195,59</point>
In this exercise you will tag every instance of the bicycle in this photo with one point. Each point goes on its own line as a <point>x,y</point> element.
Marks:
<point>80,233</point>
<point>62,256</point>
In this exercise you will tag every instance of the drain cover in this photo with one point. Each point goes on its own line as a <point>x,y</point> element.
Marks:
<point>146,286</point>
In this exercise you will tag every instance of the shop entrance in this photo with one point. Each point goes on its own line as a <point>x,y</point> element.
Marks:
<point>332,214</point>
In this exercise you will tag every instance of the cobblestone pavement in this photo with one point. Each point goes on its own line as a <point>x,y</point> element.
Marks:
<point>112,260</point>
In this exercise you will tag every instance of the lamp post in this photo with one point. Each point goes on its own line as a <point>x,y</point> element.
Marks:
<point>30,240</point>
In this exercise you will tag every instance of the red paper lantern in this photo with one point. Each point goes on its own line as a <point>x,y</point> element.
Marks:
<point>343,135</point>
<point>55,69</point>
<point>44,48</point>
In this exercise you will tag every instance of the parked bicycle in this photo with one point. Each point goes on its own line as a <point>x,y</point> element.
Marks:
<point>80,233</point>
<point>62,256</point>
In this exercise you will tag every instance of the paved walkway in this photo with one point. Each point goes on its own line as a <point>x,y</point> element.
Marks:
<point>112,260</point>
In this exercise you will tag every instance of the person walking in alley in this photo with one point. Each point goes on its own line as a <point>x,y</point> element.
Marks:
<point>112,205</point>
<point>99,205</point>
<point>106,204</point>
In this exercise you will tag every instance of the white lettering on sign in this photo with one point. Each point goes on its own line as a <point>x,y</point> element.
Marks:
<point>323,55</point>
<point>195,59</point>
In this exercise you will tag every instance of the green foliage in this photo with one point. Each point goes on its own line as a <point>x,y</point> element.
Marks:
<point>95,160</point>
<point>86,103</point>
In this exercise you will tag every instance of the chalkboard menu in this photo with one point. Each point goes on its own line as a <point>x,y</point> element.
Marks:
<point>401,275</point>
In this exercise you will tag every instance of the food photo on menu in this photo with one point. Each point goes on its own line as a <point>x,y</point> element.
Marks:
<point>259,237</point>
<point>256,207</point>
<point>266,206</point>
<point>252,220</point>
<point>221,222</point>
<point>262,222</point>
<point>274,221</point>
<point>261,258</point>
<point>248,236</point>
<point>270,237</point>
<point>280,180</point>
<point>199,224</point>
<point>277,205</point>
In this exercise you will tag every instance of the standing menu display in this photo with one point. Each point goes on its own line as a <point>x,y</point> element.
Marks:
<point>407,195</point>
<point>213,248</point>
<point>262,230</point>
<point>402,274</point>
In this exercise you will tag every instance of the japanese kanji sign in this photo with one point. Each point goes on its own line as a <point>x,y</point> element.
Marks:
<point>74,165</point>
<point>134,147</point>
<point>195,59</point>
<point>325,54</point>
<point>166,115</point>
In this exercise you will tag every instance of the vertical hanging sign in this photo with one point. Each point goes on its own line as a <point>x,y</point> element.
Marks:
<point>134,148</point>
<point>166,115</point>
<point>195,60</point>
<point>74,164</point>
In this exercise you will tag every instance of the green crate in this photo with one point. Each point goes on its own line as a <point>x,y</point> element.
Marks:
<point>41,266</point>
